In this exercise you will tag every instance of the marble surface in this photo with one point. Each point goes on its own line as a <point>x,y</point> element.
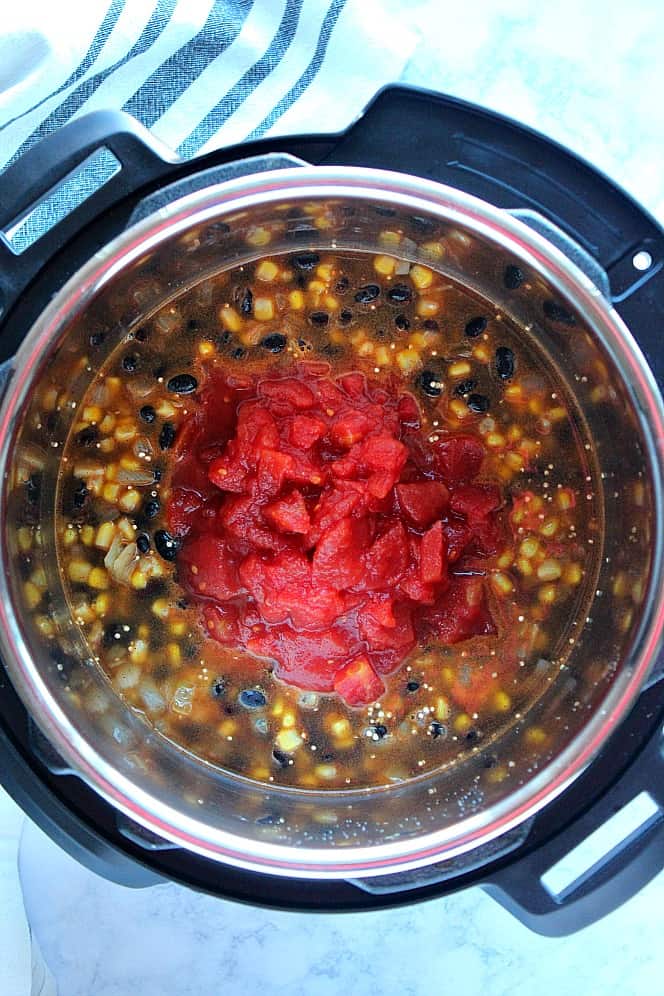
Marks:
<point>590,75</point>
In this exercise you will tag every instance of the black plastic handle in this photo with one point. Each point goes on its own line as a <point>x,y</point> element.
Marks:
<point>613,879</point>
<point>142,160</point>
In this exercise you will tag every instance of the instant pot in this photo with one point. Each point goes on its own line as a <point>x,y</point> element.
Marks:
<point>143,228</point>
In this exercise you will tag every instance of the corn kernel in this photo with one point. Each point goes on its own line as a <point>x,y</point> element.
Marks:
<point>252,335</point>
<point>549,570</point>
<point>288,719</point>
<point>107,424</point>
<point>92,414</point>
<point>418,340</point>
<point>448,675</point>
<point>458,408</point>
<point>323,221</point>
<point>421,276</point>
<point>535,736</point>
<point>296,300</point>
<point>365,349</point>
<point>331,302</point>
<point>482,353</point>
<point>107,445</point>
<point>506,559</point>
<point>556,414</point>
<point>495,440</point>
<point>288,740</point>
<point>316,287</point>
<point>389,238</point>
<point>325,271</point>
<point>442,709</point>
<point>501,701</point>
<point>263,309</point>
<point>496,775</point>
<point>461,368</point>
<point>326,771</point>
<point>572,574</point>
<point>230,319</point>
<point>45,626</point>
<point>530,547</point>
<point>174,654</point>
<point>206,349</point>
<point>462,723</point>
<point>110,492</point>
<point>535,406</point>
<point>385,265</point>
<point>227,728</point>
<point>513,393</point>
<point>98,578</point>
<point>50,399</point>
<point>524,567</point>
<point>84,613</point>
<point>70,536</point>
<point>178,628</point>
<point>501,584</point>
<point>126,529</point>
<point>102,604</point>
<point>113,384</point>
<point>160,608</point>
<point>340,728</point>
<point>130,500</point>
<point>433,249</point>
<point>547,594</point>
<point>565,499</point>
<point>278,708</point>
<point>78,571</point>
<point>514,434</point>
<point>266,270</point>
<point>514,461</point>
<point>139,579</point>
<point>382,356</point>
<point>24,537</point>
<point>32,595</point>
<point>125,432</point>
<point>258,236</point>
<point>549,528</point>
<point>427,307</point>
<point>408,360</point>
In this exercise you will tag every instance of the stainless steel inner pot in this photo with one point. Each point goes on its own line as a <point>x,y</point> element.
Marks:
<point>437,816</point>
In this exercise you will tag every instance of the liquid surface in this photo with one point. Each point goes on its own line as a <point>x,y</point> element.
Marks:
<point>126,533</point>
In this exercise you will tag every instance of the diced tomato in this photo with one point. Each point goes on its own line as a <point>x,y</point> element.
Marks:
<point>284,589</point>
<point>274,467</point>
<point>473,686</point>
<point>416,590</point>
<point>433,555</point>
<point>409,411</point>
<point>289,514</point>
<point>459,458</point>
<point>423,502</point>
<point>209,568</point>
<point>357,683</point>
<point>256,430</point>
<point>476,501</point>
<point>354,384</point>
<point>457,537</point>
<point>183,508</point>
<point>228,473</point>
<point>241,520</point>
<point>222,623</point>
<point>308,660</point>
<point>333,505</point>
<point>350,428</point>
<point>459,613</point>
<point>304,431</point>
<point>286,394</point>
<point>338,554</point>
<point>388,557</point>
<point>387,645</point>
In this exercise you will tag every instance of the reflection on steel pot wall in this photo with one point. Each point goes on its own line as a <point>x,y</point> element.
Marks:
<point>440,814</point>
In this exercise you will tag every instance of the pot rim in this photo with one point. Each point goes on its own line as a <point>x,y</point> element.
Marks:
<point>451,206</point>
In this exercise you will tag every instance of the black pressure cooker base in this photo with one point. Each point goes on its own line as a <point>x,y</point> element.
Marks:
<point>512,167</point>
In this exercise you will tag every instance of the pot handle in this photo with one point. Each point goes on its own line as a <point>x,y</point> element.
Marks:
<point>63,182</point>
<point>537,889</point>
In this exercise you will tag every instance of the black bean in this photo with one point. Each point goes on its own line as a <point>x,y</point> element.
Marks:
<point>412,686</point>
<point>384,212</point>
<point>319,318</point>
<point>33,488</point>
<point>302,231</point>
<point>167,546</point>
<point>117,633</point>
<point>239,353</point>
<point>270,819</point>
<point>167,436</point>
<point>252,698</point>
<point>129,363</point>
<point>472,736</point>
<point>305,261</point>
<point>182,603</point>
<point>218,687</point>
<point>96,339</point>
<point>156,475</point>
<point>282,759</point>
<point>430,324</point>
<point>557,313</point>
<point>274,343</point>
<point>380,730</point>
<point>214,233</point>
<point>224,338</point>
<point>367,293</point>
<point>430,383</point>
<point>343,283</point>
<point>88,436</point>
<point>513,277</point>
<point>345,317</point>
<point>148,414</point>
<point>159,372</point>
<point>141,334</point>
<point>478,403</point>
<point>464,387</point>
<point>80,495</point>
<point>402,323</point>
<point>505,362</point>
<point>193,325</point>
<point>143,543</point>
<point>152,508</point>
<point>475,327</point>
<point>247,302</point>
<point>399,293</point>
<point>489,761</point>
<point>436,729</point>
<point>182,384</point>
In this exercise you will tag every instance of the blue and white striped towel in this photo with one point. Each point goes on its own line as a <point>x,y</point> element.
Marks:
<point>200,74</point>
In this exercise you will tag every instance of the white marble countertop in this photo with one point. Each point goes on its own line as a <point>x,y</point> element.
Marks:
<point>590,75</point>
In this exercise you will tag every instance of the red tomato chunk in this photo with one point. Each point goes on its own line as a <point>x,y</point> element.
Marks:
<point>322,531</point>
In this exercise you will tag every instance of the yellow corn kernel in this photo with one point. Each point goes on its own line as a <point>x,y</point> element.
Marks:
<point>113,384</point>
<point>482,353</point>
<point>260,774</point>
<point>565,499</point>
<point>130,500</point>
<point>506,559</point>
<point>227,728</point>
<point>288,719</point>
<point>442,710</point>
<point>252,335</point>
<point>316,287</point>
<point>340,728</point>
<point>514,461</point>
<point>144,631</point>
<point>325,271</point>
<point>501,701</point>
<point>130,463</point>
<point>296,300</point>
<point>178,628</point>
<point>365,348</point>
<point>547,594</point>
<point>326,771</point>
<point>263,309</point>
<point>418,340</point>
<point>139,579</point>
<point>107,445</point>
<point>427,307</point>
<point>408,360</point>
<point>433,249</point>
<point>278,708</point>
<point>639,493</point>
<point>70,536</point>
<point>549,527</point>
<point>98,579</point>
<point>102,604</point>
<point>45,626</point>
<point>501,584</point>
<point>530,547</point>
<point>258,236</point>
<point>496,775</point>
<point>458,408</point>
<point>572,574</point>
<point>459,369</point>
<point>160,608</point>
<point>107,424</point>
<point>421,276</point>
<point>385,265</point>
<point>266,271</point>
<point>110,492</point>
<point>535,736</point>
<point>165,409</point>
<point>513,393</point>
<point>495,440</point>
<point>92,414</point>
<point>524,567</point>
<point>462,723</point>
<point>111,471</point>
<point>230,319</point>
<point>24,536</point>
<point>50,399</point>
<point>84,613</point>
<point>139,651</point>
<point>126,529</point>
<point>598,393</point>
<point>288,740</point>
<point>174,654</point>
<point>382,356</point>
<point>528,448</point>
<point>323,221</point>
<point>389,238</point>
<point>556,414</point>
<point>87,535</point>
<point>32,595</point>
<point>206,349</point>
<point>125,432</point>
<point>78,571</point>
<point>514,434</point>
<point>331,302</point>
<point>448,674</point>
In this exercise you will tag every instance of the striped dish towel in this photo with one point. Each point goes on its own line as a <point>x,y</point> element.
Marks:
<point>199,73</point>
